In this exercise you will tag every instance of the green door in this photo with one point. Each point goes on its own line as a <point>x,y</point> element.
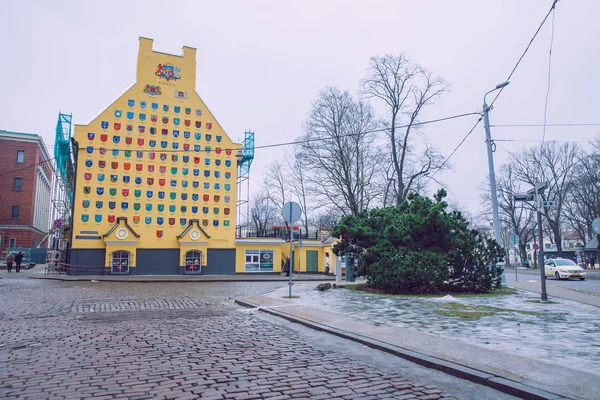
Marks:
<point>312,261</point>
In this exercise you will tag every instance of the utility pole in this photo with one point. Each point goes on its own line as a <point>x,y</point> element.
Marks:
<point>539,204</point>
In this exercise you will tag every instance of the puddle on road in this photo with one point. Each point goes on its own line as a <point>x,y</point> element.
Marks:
<point>562,332</point>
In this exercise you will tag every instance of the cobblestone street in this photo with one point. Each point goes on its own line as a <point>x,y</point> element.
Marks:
<point>170,341</point>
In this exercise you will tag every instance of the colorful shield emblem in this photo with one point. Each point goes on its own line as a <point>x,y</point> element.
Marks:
<point>207,173</point>
<point>154,106</point>
<point>219,138</point>
<point>184,184</point>
<point>129,128</point>
<point>163,144</point>
<point>152,155</point>
<point>228,163</point>
<point>91,136</point>
<point>165,107</point>
<point>185,171</point>
<point>148,207</point>
<point>172,195</point>
<point>161,207</point>
<point>115,152</point>
<point>175,145</point>
<point>87,176</point>
<point>217,163</point>
<point>114,165</point>
<point>117,126</point>
<point>183,209</point>
<point>227,199</point>
<point>116,139</point>
<point>147,220</point>
<point>196,160</point>
<point>209,125</point>
<point>176,121</point>
<point>175,133</point>
<point>99,205</point>
<point>89,163</point>
<point>228,152</point>
<point>172,208</point>
<point>141,129</point>
<point>197,136</point>
<point>124,205</point>
<point>87,190</point>
<point>226,222</point>
<point>99,191</point>
<point>159,233</point>
<point>217,198</point>
<point>127,153</point>
<point>215,222</point>
<point>104,124</point>
<point>186,159</point>
<point>112,204</point>
<point>152,131</point>
<point>186,147</point>
<point>206,185</point>
<point>227,187</point>
<point>171,221</point>
<point>85,217</point>
<point>195,184</point>
<point>126,166</point>
<point>218,150</point>
<point>161,195</point>
<point>165,132</point>
<point>85,203</point>
<point>100,177</point>
<point>137,193</point>
<point>184,196</point>
<point>217,186</point>
<point>226,211</point>
<point>188,111</point>
<point>194,196</point>
<point>207,161</point>
<point>227,175</point>
<point>187,122</point>
<point>150,168</point>
<point>173,182</point>
<point>207,149</point>
<point>153,118</point>
<point>182,221</point>
<point>198,112</point>
<point>136,219</point>
<point>98,218</point>
<point>198,124</point>
<point>174,157</point>
<point>173,170</point>
<point>149,194</point>
<point>138,180</point>
<point>194,209</point>
<point>130,103</point>
<point>216,210</point>
<point>143,104</point>
<point>130,114</point>
<point>140,141</point>
<point>136,206</point>
<point>89,149</point>
<point>118,113</point>
<point>163,156</point>
<point>204,222</point>
<point>177,109</point>
<point>102,150</point>
<point>103,137</point>
<point>217,174</point>
<point>150,181</point>
<point>125,192</point>
<point>205,197</point>
<point>152,143</point>
<point>160,220</point>
<point>139,167</point>
<point>111,218</point>
<point>165,120</point>
<point>205,210</point>
<point>186,134</point>
<point>162,169</point>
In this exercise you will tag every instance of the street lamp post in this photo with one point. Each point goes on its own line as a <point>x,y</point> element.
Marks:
<point>488,140</point>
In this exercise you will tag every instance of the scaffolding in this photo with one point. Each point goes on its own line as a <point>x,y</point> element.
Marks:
<point>244,159</point>
<point>62,196</point>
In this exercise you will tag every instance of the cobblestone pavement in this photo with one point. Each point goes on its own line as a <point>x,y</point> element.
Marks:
<point>169,341</point>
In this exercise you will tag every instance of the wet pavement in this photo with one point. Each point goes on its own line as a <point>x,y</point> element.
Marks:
<point>108,340</point>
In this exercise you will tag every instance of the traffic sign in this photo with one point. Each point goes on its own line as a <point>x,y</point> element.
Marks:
<point>513,239</point>
<point>523,197</point>
<point>548,203</point>
<point>291,212</point>
<point>596,225</point>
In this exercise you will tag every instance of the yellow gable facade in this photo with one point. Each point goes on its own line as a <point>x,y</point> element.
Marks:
<point>157,174</point>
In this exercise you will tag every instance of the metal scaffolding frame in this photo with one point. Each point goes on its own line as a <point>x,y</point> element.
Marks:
<point>244,159</point>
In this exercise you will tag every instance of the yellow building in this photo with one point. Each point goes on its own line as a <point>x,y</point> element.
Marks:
<point>155,188</point>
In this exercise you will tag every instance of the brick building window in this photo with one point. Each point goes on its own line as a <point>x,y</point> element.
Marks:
<point>18,184</point>
<point>12,243</point>
<point>120,262</point>
<point>14,212</point>
<point>20,156</point>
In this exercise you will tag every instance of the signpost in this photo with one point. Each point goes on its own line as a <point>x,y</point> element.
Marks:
<point>513,239</point>
<point>291,213</point>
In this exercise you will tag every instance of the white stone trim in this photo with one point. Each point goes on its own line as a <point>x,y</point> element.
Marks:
<point>254,241</point>
<point>119,242</point>
<point>193,243</point>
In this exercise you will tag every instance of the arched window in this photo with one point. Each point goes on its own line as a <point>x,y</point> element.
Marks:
<point>120,262</point>
<point>193,262</point>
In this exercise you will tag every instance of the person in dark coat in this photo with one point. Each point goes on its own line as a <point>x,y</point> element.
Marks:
<point>19,260</point>
<point>9,261</point>
<point>286,266</point>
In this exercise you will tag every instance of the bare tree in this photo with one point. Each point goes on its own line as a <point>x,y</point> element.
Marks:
<point>263,214</point>
<point>406,89</point>
<point>276,185</point>
<point>338,153</point>
<point>299,183</point>
<point>555,164</point>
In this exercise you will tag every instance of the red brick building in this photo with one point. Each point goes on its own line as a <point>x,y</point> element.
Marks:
<point>25,190</point>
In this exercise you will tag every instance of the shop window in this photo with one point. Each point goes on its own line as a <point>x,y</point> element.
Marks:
<point>259,261</point>
<point>20,156</point>
<point>120,262</point>
<point>193,262</point>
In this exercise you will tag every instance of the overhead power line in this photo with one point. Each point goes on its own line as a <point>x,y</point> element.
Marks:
<point>541,125</point>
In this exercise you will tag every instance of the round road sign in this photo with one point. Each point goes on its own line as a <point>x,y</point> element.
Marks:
<point>596,225</point>
<point>291,212</point>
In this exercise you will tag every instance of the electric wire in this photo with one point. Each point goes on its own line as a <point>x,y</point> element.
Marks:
<point>549,74</point>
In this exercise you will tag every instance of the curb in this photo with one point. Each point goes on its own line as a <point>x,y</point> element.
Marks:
<point>494,381</point>
<point>158,280</point>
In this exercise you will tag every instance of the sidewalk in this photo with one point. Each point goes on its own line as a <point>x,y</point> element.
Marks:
<point>522,376</point>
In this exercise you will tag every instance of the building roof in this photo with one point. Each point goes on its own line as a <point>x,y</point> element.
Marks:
<point>592,244</point>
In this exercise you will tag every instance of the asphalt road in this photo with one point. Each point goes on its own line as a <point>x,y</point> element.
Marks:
<point>591,284</point>
<point>109,340</point>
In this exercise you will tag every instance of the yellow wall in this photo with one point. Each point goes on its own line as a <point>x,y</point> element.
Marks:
<point>281,250</point>
<point>96,143</point>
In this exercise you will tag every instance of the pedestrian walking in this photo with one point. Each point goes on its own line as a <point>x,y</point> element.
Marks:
<point>9,261</point>
<point>286,266</point>
<point>19,260</point>
<point>327,264</point>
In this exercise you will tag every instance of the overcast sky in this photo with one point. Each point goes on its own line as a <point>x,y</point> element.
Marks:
<point>260,65</point>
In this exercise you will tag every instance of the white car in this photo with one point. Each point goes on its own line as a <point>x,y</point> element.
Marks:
<point>561,268</point>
